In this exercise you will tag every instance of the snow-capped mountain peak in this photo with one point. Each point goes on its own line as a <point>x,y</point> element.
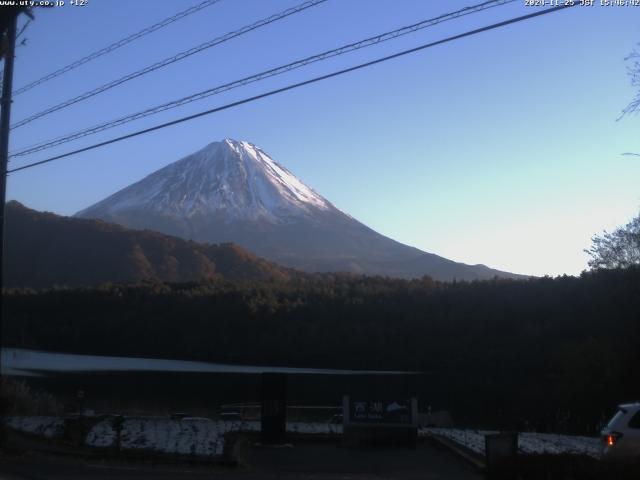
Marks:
<point>233,179</point>
<point>288,184</point>
<point>232,191</point>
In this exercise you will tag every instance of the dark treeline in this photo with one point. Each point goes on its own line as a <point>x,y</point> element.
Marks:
<point>548,353</point>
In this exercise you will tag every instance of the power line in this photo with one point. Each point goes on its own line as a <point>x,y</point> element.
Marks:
<point>118,44</point>
<point>21,32</point>
<point>296,85</point>
<point>168,61</point>
<point>367,42</point>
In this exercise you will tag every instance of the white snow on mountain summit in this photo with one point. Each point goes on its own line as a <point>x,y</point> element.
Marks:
<point>232,191</point>
<point>234,178</point>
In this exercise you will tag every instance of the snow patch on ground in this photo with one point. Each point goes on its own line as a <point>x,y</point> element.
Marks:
<point>103,434</point>
<point>555,444</point>
<point>48,427</point>
<point>195,436</point>
<point>314,428</point>
<point>529,443</point>
<point>189,436</point>
<point>206,438</point>
<point>202,437</point>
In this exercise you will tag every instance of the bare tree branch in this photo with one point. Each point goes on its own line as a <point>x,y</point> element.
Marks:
<point>618,249</point>
<point>633,70</point>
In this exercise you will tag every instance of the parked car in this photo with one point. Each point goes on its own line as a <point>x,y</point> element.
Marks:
<point>621,437</point>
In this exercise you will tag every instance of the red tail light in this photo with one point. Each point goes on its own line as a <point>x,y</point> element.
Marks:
<point>612,438</point>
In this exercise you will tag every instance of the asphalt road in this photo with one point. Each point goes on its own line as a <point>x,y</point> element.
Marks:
<point>308,461</point>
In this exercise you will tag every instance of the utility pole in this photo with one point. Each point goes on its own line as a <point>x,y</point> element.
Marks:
<point>8,50</point>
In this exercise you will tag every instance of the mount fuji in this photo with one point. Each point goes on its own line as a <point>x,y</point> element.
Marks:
<point>232,191</point>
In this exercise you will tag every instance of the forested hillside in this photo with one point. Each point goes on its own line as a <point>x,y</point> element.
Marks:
<point>44,249</point>
<point>504,350</point>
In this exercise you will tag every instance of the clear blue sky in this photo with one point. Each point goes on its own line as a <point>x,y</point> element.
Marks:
<point>502,148</point>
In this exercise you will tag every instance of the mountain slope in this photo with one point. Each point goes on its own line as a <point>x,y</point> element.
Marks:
<point>233,191</point>
<point>43,249</point>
